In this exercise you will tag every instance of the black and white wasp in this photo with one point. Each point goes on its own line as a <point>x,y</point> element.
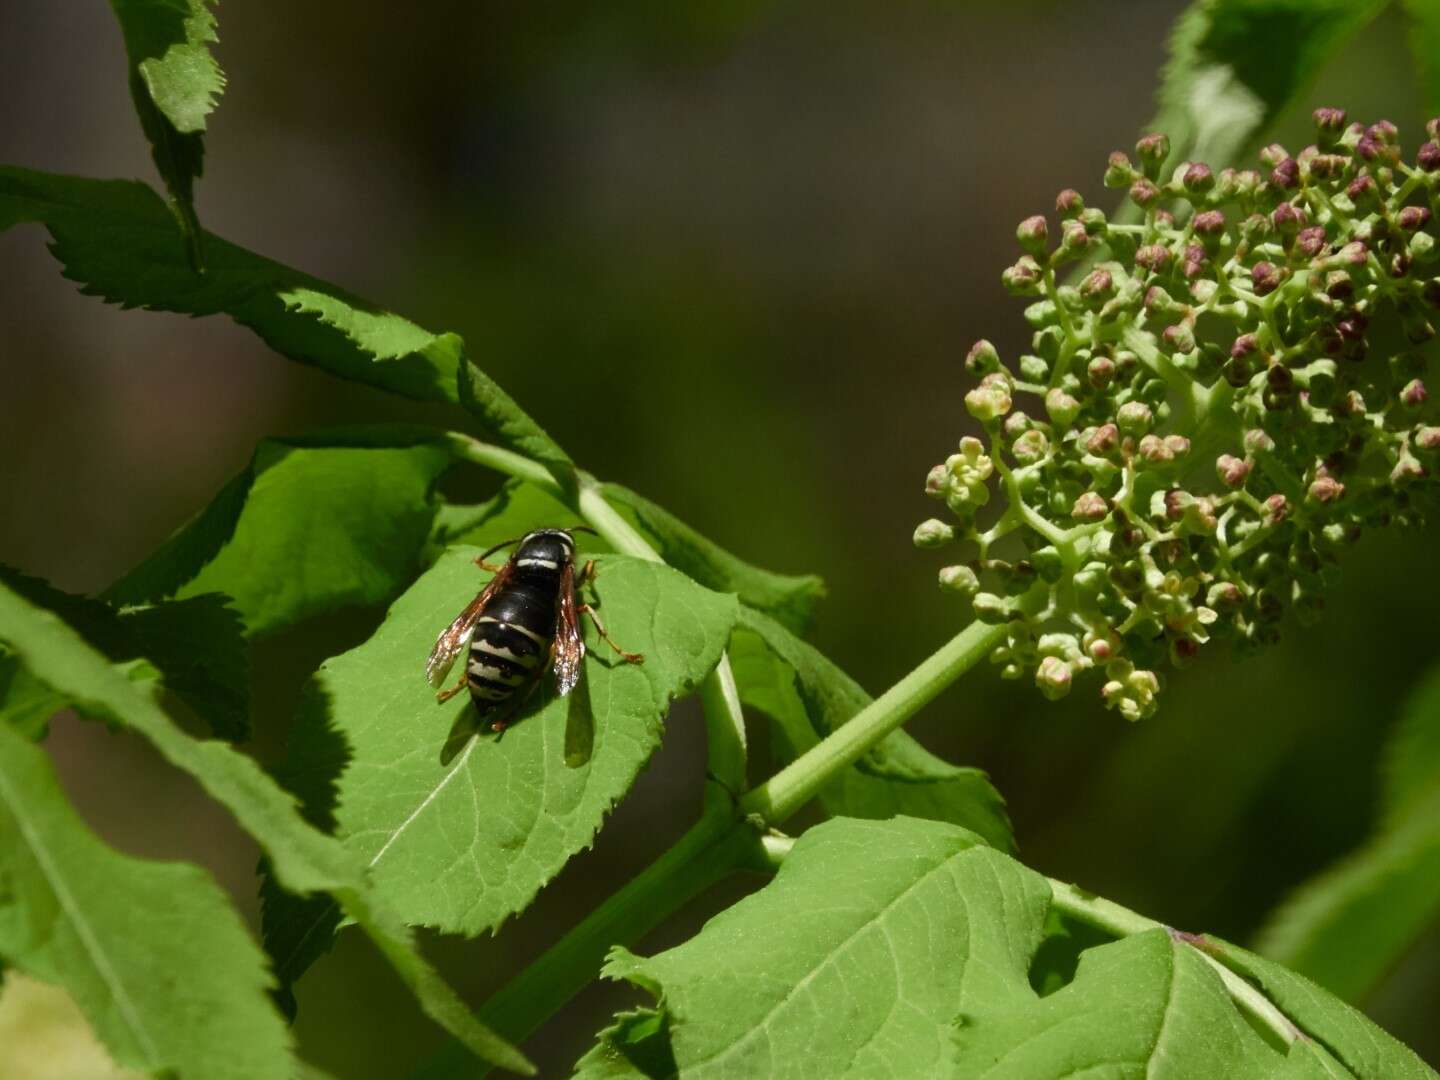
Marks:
<point>523,621</point>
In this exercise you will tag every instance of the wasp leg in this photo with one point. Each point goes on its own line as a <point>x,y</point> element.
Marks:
<point>628,657</point>
<point>588,573</point>
<point>446,695</point>
<point>488,566</point>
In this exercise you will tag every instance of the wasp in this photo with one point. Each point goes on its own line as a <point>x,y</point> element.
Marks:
<point>523,622</point>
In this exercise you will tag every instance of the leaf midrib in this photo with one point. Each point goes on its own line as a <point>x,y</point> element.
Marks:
<point>94,950</point>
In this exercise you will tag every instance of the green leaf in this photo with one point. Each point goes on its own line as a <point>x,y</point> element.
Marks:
<point>516,509</point>
<point>808,697</point>
<point>1424,34</point>
<point>903,948</point>
<point>302,858</point>
<point>174,82</point>
<point>1236,64</point>
<point>157,959</point>
<point>196,646</point>
<point>459,831</point>
<point>510,425</point>
<point>312,524</point>
<point>1362,1046</point>
<point>789,599</point>
<point>117,239</point>
<point>1347,927</point>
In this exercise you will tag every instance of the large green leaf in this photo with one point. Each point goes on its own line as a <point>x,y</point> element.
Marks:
<point>157,959</point>
<point>1236,64</point>
<point>903,948</point>
<point>459,831</point>
<point>196,646</point>
<point>808,697</point>
<point>312,524</point>
<point>789,599</point>
<point>1347,927</point>
<point>304,859</point>
<point>118,240</point>
<point>174,82</point>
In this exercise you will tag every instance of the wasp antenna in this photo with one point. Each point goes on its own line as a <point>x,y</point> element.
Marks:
<point>497,547</point>
<point>581,528</point>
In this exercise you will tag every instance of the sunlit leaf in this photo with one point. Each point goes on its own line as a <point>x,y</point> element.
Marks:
<point>903,948</point>
<point>157,959</point>
<point>304,859</point>
<point>460,830</point>
<point>1236,64</point>
<point>789,599</point>
<point>175,83</point>
<point>808,697</point>
<point>311,525</point>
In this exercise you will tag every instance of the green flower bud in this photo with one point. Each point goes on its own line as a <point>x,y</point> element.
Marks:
<point>1130,691</point>
<point>1090,507</point>
<point>1030,447</point>
<point>1325,489</point>
<point>1023,278</point>
<point>1135,418</point>
<point>1034,235</point>
<point>1048,564</point>
<point>982,359</point>
<point>991,609</point>
<point>933,533</point>
<point>988,403</point>
<point>1053,677</point>
<point>959,579</point>
<point>1232,470</point>
<point>1119,173</point>
<point>1061,407</point>
<point>1068,203</point>
<point>1152,150</point>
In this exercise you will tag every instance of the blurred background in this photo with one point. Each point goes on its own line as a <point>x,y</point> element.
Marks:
<point>754,239</point>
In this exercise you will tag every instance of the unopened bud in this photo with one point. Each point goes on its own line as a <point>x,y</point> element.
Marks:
<point>1053,677</point>
<point>1023,278</point>
<point>1413,217</point>
<point>959,579</point>
<point>1326,489</point>
<point>1135,418</point>
<point>1413,394</point>
<point>1100,371</point>
<point>1264,278</point>
<point>1309,242</point>
<point>987,403</point>
<point>1033,235</point>
<point>1103,440</point>
<point>1143,193</point>
<point>1330,125</point>
<point>1428,157</point>
<point>1061,407</point>
<point>933,533</point>
<point>1197,178</point>
<point>1152,150</point>
<point>1153,257</point>
<point>1119,172</point>
<point>1030,447</point>
<point>1277,509</point>
<point>1089,507</point>
<point>1286,174</point>
<point>1069,203</point>
<point>991,609</point>
<point>982,359</point>
<point>1232,470</point>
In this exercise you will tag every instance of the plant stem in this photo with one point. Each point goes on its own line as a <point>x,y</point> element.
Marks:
<point>796,784</point>
<point>1120,921</point>
<point>714,846</point>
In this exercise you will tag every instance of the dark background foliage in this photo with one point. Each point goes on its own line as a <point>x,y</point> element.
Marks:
<point>730,254</point>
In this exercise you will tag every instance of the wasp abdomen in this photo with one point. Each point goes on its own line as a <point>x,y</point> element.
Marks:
<point>512,640</point>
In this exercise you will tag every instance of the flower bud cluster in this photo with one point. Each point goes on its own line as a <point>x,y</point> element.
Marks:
<point>1226,395</point>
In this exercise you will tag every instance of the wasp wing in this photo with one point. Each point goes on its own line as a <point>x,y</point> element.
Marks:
<point>452,641</point>
<point>569,645</point>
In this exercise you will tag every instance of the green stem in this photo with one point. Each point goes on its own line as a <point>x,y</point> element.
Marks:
<point>714,846</point>
<point>1120,921</point>
<point>796,784</point>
